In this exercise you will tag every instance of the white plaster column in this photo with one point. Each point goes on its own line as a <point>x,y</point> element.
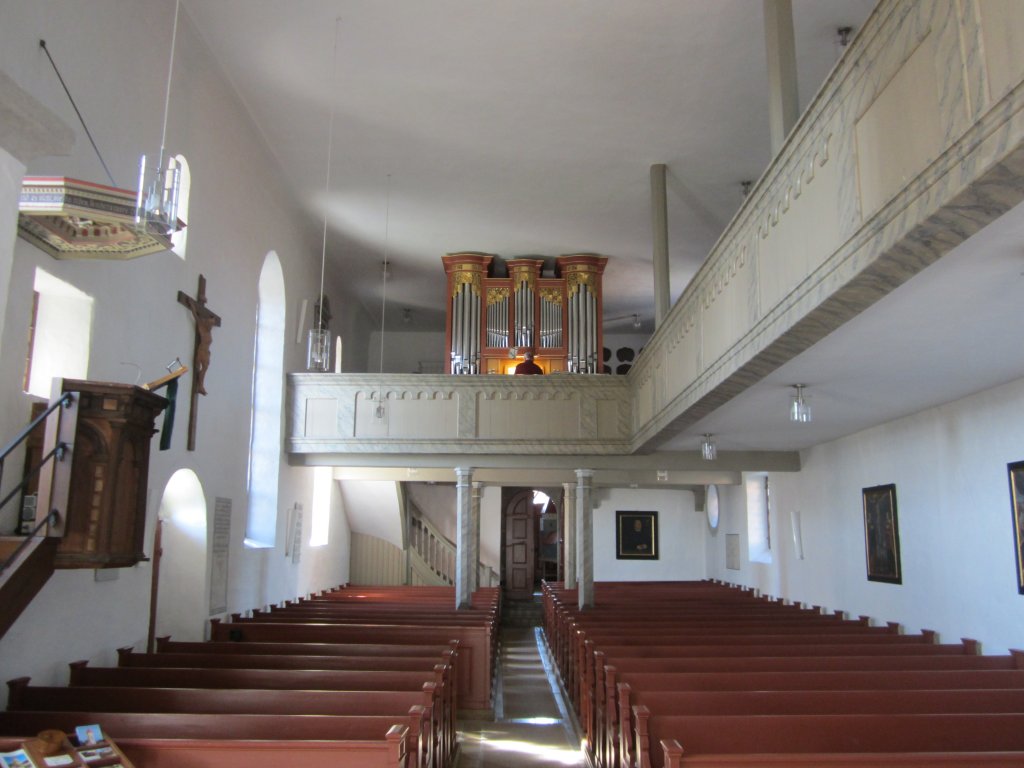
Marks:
<point>659,230</point>
<point>569,534</point>
<point>463,535</point>
<point>783,102</point>
<point>474,571</point>
<point>584,539</point>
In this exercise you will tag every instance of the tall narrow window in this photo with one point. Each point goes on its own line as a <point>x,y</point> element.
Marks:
<point>759,530</point>
<point>59,336</point>
<point>267,398</point>
<point>323,490</point>
<point>179,238</point>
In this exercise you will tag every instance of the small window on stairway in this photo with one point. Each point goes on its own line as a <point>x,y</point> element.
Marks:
<point>59,334</point>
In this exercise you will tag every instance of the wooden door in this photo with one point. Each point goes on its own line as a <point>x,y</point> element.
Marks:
<point>520,547</point>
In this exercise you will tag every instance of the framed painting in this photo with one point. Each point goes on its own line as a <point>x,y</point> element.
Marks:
<point>882,534</point>
<point>1016,471</point>
<point>636,535</point>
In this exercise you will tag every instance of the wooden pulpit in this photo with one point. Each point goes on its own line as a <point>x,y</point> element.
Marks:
<point>99,489</point>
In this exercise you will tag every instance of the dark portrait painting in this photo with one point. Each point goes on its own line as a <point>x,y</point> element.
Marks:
<point>636,535</point>
<point>1016,471</point>
<point>882,534</point>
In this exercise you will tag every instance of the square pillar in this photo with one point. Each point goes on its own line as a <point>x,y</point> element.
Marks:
<point>569,534</point>
<point>584,538</point>
<point>463,536</point>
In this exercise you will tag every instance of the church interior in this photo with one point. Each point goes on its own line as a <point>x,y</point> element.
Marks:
<point>767,257</point>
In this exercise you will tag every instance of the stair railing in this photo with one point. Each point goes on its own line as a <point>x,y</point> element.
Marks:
<point>58,452</point>
<point>51,519</point>
<point>438,552</point>
<point>434,549</point>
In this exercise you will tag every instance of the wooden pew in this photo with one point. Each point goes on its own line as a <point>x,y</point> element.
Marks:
<point>825,673</point>
<point>213,701</point>
<point>393,650</point>
<point>475,659</point>
<point>675,758</point>
<point>128,658</point>
<point>816,702</point>
<point>240,741</point>
<point>786,735</point>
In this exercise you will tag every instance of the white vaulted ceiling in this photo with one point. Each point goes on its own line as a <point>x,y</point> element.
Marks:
<point>515,127</point>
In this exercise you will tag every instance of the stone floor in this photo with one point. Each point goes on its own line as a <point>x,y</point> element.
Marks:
<point>532,725</point>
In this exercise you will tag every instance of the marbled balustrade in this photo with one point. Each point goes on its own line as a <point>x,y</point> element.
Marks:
<point>914,143</point>
<point>423,413</point>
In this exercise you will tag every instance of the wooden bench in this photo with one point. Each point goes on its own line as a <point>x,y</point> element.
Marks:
<point>475,664</point>
<point>674,757</point>
<point>857,673</point>
<point>794,734</point>
<point>853,702</point>
<point>128,658</point>
<point>437,737</point>
<point>240,741</point>
<point>166,644</point>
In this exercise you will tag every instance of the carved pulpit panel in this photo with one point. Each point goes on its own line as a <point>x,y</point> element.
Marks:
<point>106,508</point>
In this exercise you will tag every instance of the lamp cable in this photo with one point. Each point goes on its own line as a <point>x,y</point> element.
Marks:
<point>42,44</point>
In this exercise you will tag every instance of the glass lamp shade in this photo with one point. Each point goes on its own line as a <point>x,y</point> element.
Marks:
<point>318,353</point>
<point>708,449</point>
<point>156,205</point>
<point>800,410</point>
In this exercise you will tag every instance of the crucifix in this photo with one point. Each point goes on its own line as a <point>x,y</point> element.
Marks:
<point>205,321</point>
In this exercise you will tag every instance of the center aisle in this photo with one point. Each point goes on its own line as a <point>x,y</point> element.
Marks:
<point>532,726</point>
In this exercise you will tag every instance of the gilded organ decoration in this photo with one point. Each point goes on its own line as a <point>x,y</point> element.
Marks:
<point>493,321</point>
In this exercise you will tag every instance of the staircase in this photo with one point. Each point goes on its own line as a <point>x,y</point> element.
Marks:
<point>432,555</point>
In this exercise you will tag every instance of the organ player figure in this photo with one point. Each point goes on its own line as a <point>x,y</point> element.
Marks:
<point>528,366</point>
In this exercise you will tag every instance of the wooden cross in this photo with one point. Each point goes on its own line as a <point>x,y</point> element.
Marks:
<point>205,321</point>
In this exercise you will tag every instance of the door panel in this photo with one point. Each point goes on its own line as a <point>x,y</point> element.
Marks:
<point>520,547</point>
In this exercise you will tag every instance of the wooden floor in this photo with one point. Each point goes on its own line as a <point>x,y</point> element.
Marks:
<point>532,725</point>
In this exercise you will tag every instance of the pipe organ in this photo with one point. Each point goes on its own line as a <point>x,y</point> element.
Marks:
<point>493,321</point>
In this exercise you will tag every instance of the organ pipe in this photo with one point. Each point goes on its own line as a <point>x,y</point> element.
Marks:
<point>559,316</point>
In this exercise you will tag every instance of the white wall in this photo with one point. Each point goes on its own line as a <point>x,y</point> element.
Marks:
<point>955,525</point>
<point>680,535</point>
<point>372,507</point>
<point>240,209</point>
<point>406,352</point>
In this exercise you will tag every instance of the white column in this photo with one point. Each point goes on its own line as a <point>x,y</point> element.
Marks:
<point>783,103</point>
<point>569,533</point>
<point>584,539</point>
<point>659,230</point>
<point>463,535</point>
<point>474,571</point>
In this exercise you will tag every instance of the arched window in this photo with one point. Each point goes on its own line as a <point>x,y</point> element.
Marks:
<point>267,398</point>
<point>179,238</point>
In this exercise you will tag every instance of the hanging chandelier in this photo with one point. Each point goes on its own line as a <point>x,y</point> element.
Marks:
<point>75,219</point>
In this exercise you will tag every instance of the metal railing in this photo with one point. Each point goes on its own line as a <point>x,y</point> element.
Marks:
<point>50,519</point>
<point>58,452</point>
